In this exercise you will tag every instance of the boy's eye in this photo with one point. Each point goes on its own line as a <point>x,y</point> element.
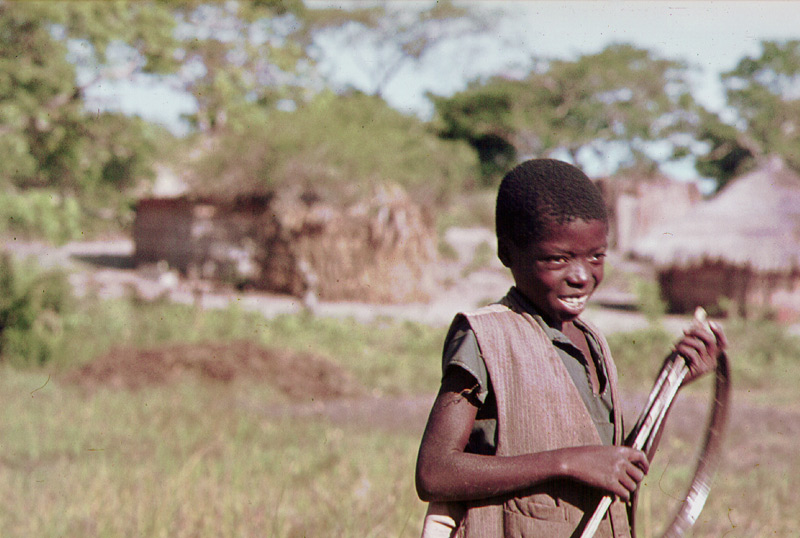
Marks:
<point>555,260</point>
<point>597,257</point>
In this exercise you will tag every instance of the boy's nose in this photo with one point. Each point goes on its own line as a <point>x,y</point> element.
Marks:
<point>579,274</point>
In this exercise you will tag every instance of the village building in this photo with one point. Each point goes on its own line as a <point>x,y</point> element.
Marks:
<point>381,249</point>
<point>738,252</point>
<point>638,205</point>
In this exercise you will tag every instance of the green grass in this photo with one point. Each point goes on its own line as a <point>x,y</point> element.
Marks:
<point>186,460</point>
<point>753,493</point>
<point>755,487</point>
<point>389,357</point>
<point>195,458</point>
<point>763,357</point>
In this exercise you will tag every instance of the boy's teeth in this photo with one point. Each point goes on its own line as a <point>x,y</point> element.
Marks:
<point>574,301</point>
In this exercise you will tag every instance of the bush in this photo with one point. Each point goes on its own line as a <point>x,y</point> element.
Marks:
<point>341,149</point>
<point>35,311</point>
<point>40,214</point>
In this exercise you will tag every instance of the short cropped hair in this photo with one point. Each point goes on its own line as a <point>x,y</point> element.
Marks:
<point>538,193</point>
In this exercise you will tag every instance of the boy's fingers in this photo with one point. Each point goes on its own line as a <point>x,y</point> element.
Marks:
<point>689,352</point>
<point>629,484</point>
<point>705,336</point>
<point>722,340</point>
<point>636,474</point>
<point>701,347</point>
<point>638,459</point>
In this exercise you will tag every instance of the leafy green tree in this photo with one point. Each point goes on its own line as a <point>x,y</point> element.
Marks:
<point>338,148</point>
<point>763,91</point>
<point>48,137</point>
<point>621,97</point>
<point>730,153</point>
<point>237,54</point>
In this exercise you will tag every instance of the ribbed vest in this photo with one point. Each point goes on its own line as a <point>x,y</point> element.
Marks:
<point>538,409</point>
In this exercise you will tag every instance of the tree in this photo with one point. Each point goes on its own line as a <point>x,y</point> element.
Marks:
<point>47,132</point>
<point>381,40</point>
<point>336,147</point>
<point>730,152</point>
<point>238,54</point>
<point>622,98</point>
<point>765,94</point>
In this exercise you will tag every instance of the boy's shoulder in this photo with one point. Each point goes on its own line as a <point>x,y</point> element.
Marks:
<point>494,308</point>
<point>508,305</point>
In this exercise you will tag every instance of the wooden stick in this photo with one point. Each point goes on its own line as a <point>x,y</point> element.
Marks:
<point>666,387</point>
<point>676,371</point>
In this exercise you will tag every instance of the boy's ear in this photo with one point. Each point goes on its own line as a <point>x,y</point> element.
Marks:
<point>504,252</point>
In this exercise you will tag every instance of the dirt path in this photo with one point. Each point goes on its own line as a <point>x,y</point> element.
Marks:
<point>105,268</point>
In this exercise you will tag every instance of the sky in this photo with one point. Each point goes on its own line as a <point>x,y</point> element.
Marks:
<point>711,36</point>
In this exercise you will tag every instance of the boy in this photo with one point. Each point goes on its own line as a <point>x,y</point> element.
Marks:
<point>524,436</point>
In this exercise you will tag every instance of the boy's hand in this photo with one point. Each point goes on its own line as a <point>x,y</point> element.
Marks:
<point>700,346</point>
<point>615,469</point>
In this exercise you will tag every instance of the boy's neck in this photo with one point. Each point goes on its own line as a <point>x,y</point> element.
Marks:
<point>528,305</point>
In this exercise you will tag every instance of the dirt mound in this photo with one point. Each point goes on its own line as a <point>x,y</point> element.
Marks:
<point>298,375</point>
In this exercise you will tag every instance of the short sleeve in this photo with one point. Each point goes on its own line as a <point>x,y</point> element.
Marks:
<point>462,350</point>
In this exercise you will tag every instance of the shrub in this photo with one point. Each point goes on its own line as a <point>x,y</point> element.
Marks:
<point>35,309</point>
<point>40,214</point>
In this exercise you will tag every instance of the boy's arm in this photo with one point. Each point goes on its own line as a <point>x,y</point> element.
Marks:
<point>446,473</point>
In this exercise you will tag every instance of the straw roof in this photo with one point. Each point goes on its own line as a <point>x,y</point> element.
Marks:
<point>753,222</point>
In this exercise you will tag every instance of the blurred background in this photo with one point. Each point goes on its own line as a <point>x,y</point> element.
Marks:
<point>234,234</point>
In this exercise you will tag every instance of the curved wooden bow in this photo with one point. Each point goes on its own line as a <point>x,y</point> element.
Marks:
<point>651,422</point>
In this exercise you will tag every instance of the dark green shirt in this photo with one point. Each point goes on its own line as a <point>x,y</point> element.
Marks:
<point>462,350</point>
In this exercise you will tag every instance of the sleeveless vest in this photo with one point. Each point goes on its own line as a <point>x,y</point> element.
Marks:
<point>538,409</point>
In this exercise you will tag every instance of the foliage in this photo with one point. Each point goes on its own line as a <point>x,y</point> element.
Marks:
<point>40,214</point>
<point>763,92</point>
<point>764,356</point>
<point>337,147</point>
<point>475,207</point>
<point>49,138</point>
<point>53,52</point>
<point>36,309</point>
<point>236,53</point>
<point>639,354</point>
<point>621,96</point>
<point>390,357</point>
<point>731,152</point>
<point>122,154</point>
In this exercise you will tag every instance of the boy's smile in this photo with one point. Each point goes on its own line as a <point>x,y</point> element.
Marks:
<point>559,273</point>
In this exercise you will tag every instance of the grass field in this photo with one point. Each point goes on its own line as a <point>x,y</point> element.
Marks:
<point>199,455</point>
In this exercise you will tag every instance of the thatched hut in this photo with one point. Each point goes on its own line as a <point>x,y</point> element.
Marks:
<point>737,251</point>
<point>639,204</point>
<point>381,249</point>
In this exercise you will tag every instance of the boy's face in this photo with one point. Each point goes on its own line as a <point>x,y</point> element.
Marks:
<point>559,273</point>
